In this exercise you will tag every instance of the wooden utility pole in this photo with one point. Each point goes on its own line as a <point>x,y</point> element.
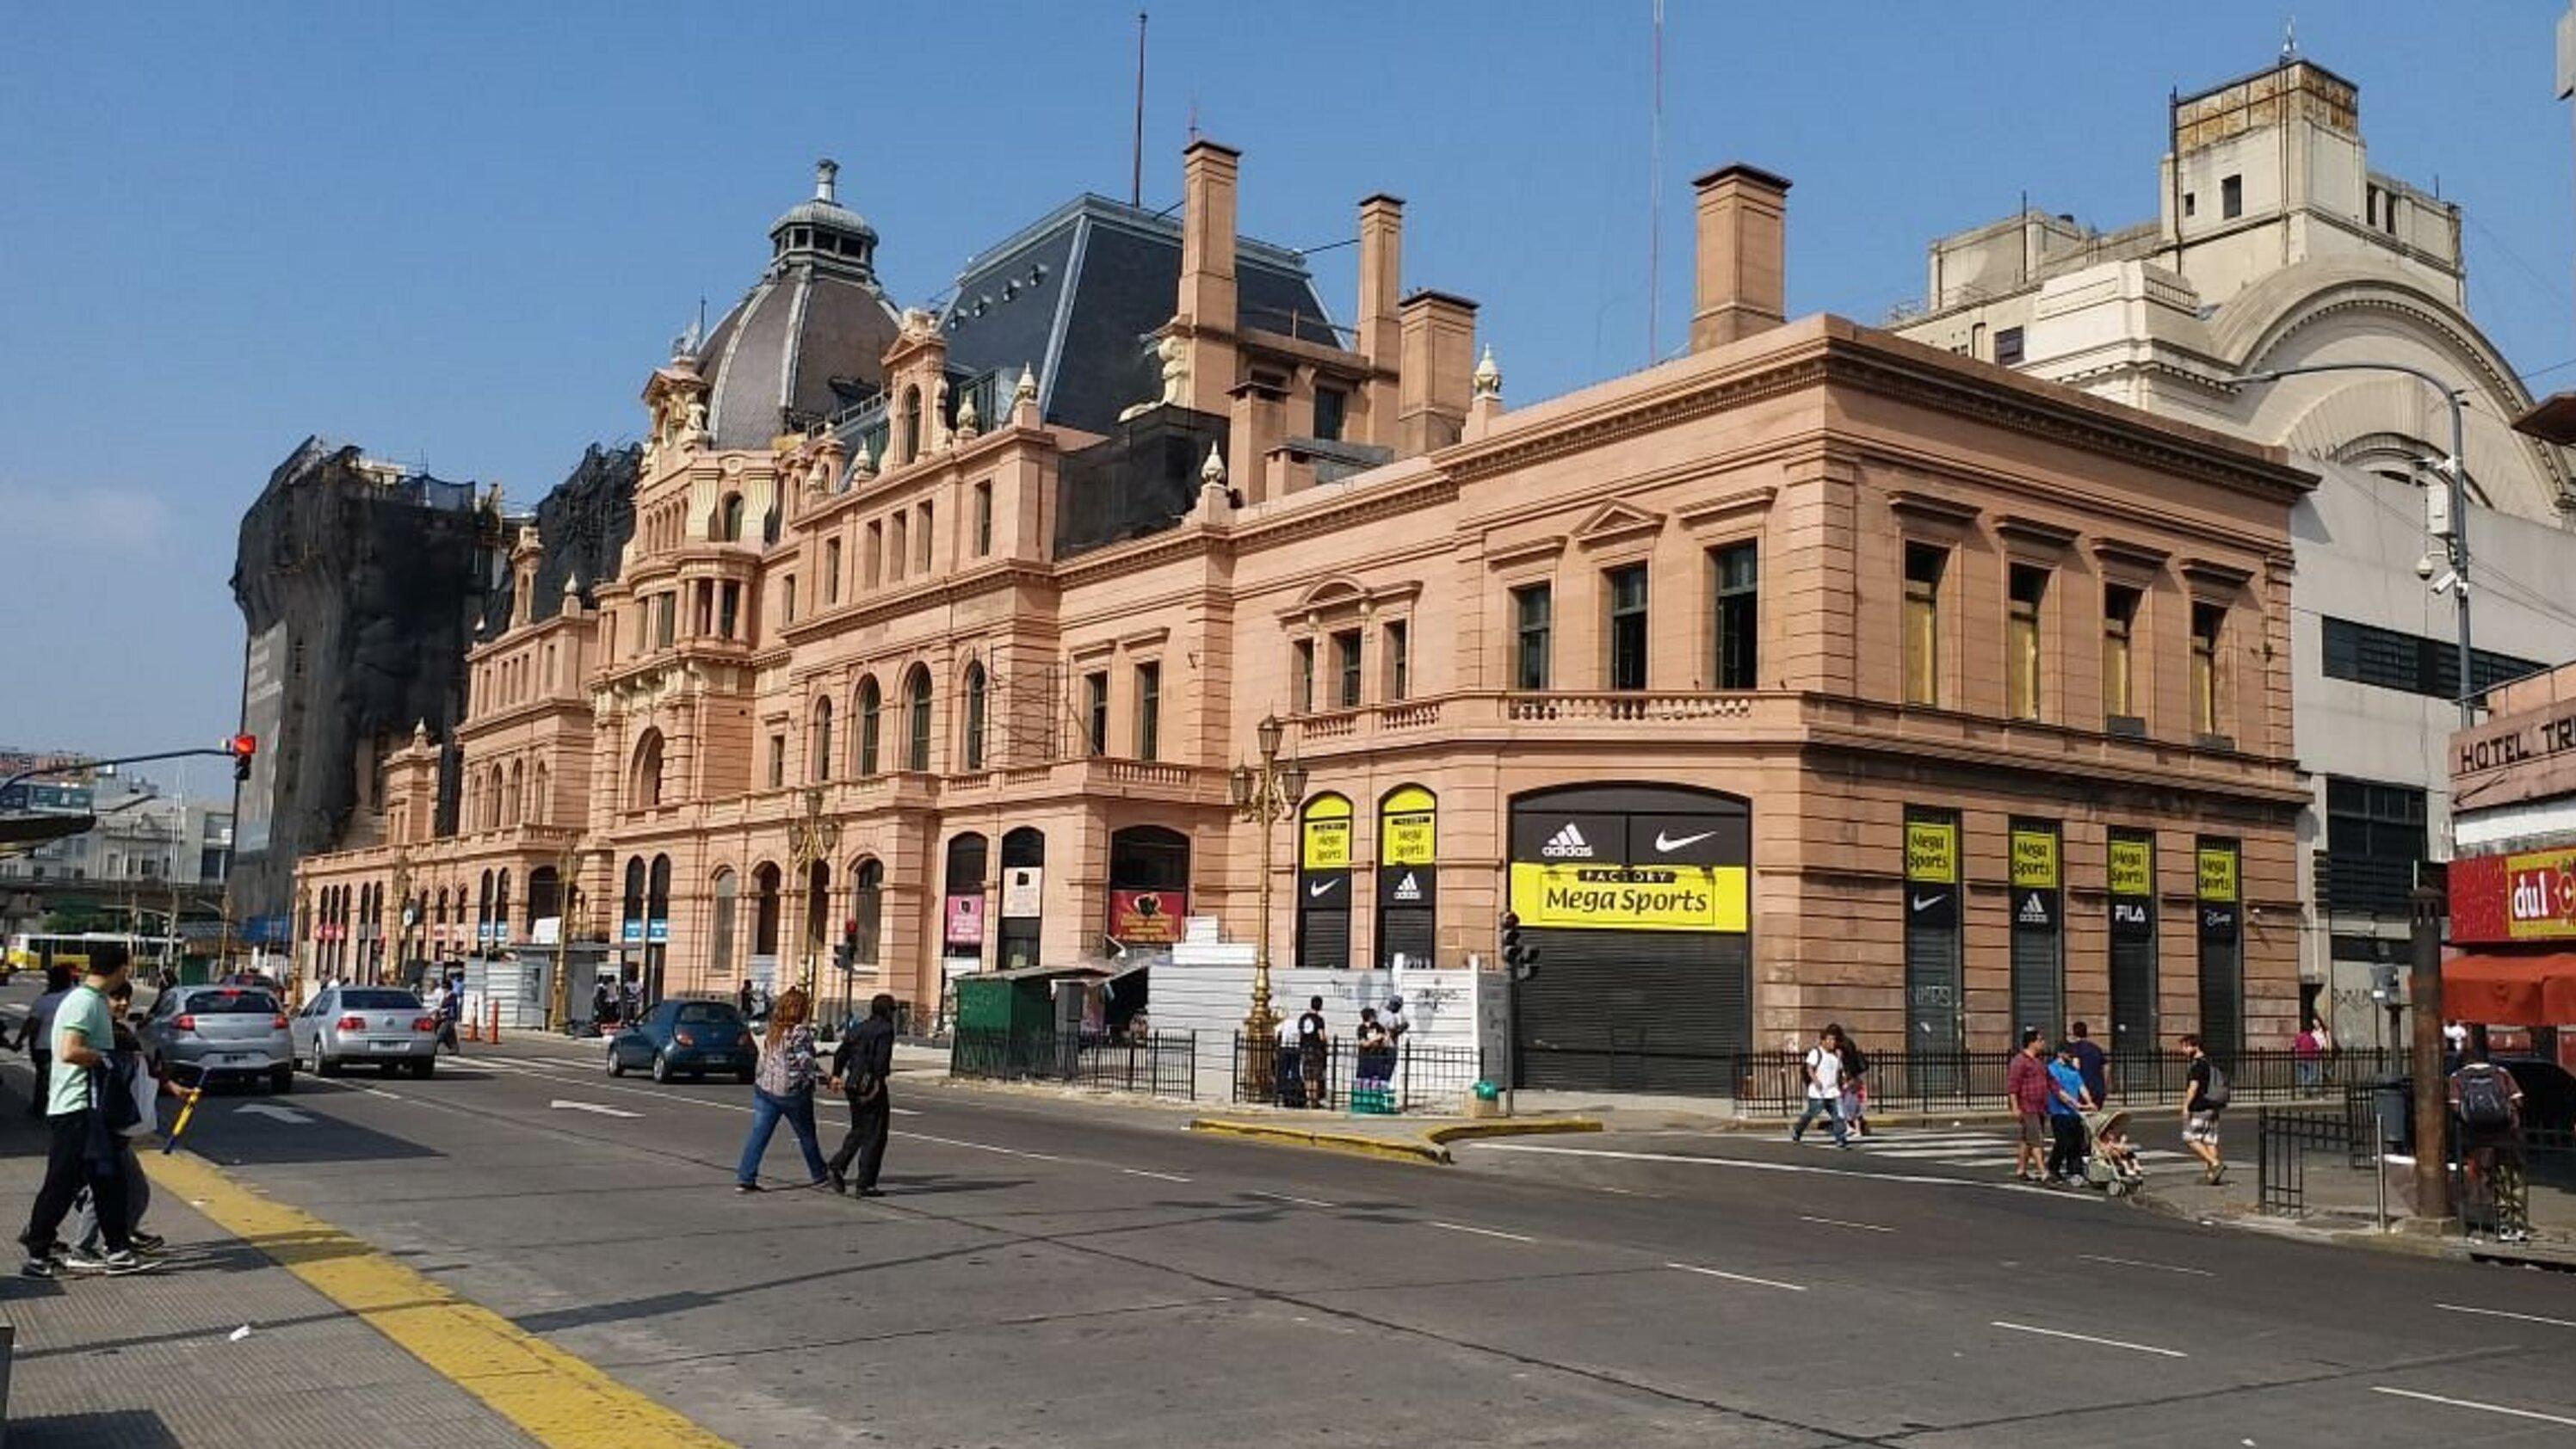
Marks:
<point>2432,1084</point>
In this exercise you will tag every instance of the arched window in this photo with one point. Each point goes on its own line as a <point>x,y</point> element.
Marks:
<point>474,801</point>
<point>764,915</point>
<point>729,519</point>
<point>538,808</point>
<point>867,907</point>
<point>911,423</point>
<point>657,899</point>
<point>644,787</point>
<point>975,716</point>
<point>510,811</point>
<point>916,710</point>
<point>720,938</point>
<point>871,710</point>
<point>441,918</point>
<point>492,799</point>
<point>819,754</point>
<point>501,904</point>
<point>483,905</point>
<point>818,905</point>
<point>630,904</point>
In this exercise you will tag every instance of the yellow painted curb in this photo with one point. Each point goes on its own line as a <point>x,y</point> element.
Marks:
<point>560,1400</point>
<point>1359,1144</point>
<point>1512,1127</point>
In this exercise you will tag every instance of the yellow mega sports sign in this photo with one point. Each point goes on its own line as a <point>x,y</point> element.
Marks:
<point>1326,836</point>
<point>1631,897</point>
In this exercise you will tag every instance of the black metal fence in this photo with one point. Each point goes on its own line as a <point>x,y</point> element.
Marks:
<point>1162,1063</point>
<point>1775,1083</point>
<point>1341,1076</point>
<point>2283,1139</point>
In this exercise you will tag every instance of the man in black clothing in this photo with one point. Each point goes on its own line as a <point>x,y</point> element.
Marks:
<point>36,1031</point>
<point>860,1067</point>
<point>83,1152</point>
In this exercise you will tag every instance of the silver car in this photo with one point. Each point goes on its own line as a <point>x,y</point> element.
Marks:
<point>379,1026</point>
<point>201,1033</point>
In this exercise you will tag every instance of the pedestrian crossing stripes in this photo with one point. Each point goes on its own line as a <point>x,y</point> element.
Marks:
<point>1963,1149</point>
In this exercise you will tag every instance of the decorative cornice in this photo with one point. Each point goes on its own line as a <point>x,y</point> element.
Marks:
<point>2215,573</point>
<point>1616,521</point>
<point>1526,551</point>
<point>2036,533</point>
<point>1932,507</point>
<point>1721,510</point>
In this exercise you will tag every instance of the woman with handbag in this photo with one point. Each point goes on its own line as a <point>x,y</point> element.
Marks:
<point>783,1088</point>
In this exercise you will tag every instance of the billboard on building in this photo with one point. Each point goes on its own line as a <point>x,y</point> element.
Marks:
<point>263,709</point>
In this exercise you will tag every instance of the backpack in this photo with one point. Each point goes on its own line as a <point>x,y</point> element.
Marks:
<point>2214,1096</point>
<point>2483,1101</point>
<point>1855,1062</point>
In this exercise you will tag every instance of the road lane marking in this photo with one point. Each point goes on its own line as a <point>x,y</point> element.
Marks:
<point>1158,1176</point>
<point>1747,1164</point>
<point>1738,1277</point>
<point>2139,1263</point>
<point>561,1401</point>
<point>979,1146</point>
<point>602,1110</point>
<point>1846,1223</point>
<point>1480,1232</point>
<point>2474,1404</point>
<point>282,1114</point>
<point>1312,1202</point>
<point>380,1092</point>
<point>2500,1313</point>
<point>2088,1338</point>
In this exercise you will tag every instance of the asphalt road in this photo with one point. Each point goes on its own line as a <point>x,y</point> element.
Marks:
<point>1072,1273</point>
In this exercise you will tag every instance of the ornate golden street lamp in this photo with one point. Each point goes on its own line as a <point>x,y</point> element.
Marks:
<point>810,838</point>
<point>567,894</point>
<point>1267,794</point>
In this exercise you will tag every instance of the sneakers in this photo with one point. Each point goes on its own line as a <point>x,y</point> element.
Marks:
<point>36,1267</point>
<point>148,1242</point>
<point>840,1184</point>
<point>749,1187</point>
<point>111,1264</point>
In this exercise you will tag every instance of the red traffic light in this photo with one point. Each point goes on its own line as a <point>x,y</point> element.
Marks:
<point>243,747</point>
<point>850,929</point>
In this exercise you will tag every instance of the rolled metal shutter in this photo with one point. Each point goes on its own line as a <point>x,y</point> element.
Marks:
<point>2038,983</point>
<point>1636,1011</point>
<point>2136,1030</point>
<point>1932,988</point>
<point>2222,1000</point>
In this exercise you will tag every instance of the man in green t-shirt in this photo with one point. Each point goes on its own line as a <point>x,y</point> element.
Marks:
<point>83,1150</point>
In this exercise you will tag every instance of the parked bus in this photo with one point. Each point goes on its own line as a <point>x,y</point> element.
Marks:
<point>36,950</point>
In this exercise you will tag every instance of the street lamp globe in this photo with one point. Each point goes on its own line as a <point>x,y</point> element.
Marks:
<point>1268,736</point>
<point>1238,786</point>
<point>1292,782</point>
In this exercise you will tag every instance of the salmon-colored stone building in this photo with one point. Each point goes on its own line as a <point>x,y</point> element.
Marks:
<point>1815,675</point>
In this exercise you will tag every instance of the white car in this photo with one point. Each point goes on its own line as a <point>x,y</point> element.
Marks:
<point>379,1026</point>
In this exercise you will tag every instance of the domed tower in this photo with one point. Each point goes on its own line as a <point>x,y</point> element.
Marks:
<point>807,339</point>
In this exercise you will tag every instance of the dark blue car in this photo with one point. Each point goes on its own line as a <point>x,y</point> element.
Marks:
<point>685,1039</point>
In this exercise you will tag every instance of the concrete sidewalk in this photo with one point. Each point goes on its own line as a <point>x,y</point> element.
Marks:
<point>2343,1207</point>
<point>152,1361</point>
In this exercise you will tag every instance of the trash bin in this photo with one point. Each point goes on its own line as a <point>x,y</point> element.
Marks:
<point>2392,1106</point>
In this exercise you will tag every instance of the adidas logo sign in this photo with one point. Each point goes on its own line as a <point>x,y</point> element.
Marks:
<point>1567,844</point>
<point>2034,912</point>
<point>1408,889</point>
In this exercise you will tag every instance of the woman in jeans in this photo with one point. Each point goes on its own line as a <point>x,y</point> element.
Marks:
<point>784,1087</point>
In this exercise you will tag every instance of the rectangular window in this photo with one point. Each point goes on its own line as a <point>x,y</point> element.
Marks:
<point>896,553</point>
<point>983,519</point>
<point>1095,711</point>
<point>2372,215</point>
<point>1331,404</point>
<point>2008,351</point>
<point>1399,659</point>
<point>666,620</point>
<point>1627,591</point>
<point>1738,570</point>
<point>2231,197</point>
<point>2375,842</point>
<point>1924,565</point>
<point>1533,626</point>
<point>924,542</point>
<point>777,762</point>
<point>2023,646</point>
<point>872,556</point>
<point>831,571</point>
<point>787,599</point>
<point>1346,669</point>
<point>2391,659</point>
<point>2191,203</point>
<point>1149,711</point>
<point>2119,625</point>
<point>706,616</point>
<point>728,611</point>
<point>1305,664</point>
<point>2208,669</point>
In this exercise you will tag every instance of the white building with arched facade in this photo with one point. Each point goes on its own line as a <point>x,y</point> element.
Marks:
<point>2275,247</point>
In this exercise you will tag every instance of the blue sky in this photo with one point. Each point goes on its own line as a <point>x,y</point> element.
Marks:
<point>463,233</point>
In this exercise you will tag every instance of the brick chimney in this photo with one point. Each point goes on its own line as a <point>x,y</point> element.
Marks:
<point>1206,315</point>
<point>1437,337</point>
<point>1741,285</point>
<point>1381,331</point>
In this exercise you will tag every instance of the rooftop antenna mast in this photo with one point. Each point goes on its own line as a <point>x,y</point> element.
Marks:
<point>1136,153</point>
<point>1655,203</point>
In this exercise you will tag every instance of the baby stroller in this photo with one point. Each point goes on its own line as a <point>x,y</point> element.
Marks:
<point>2110,1163</point>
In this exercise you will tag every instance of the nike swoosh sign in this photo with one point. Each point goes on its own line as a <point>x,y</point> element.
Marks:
<point>1925,903</point>
<point>1318,888</point>
<point>1668,844</point>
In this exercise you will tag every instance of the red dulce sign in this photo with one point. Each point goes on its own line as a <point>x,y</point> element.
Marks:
<point>2527,896</point>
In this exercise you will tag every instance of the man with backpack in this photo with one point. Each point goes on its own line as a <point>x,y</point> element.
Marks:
<point>86,1110</point>
<point>2488,1103</point>
<point>2205,1094</point>
<point>1824,1069</point>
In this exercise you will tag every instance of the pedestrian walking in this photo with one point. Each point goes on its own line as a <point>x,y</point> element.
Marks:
<point>135,1077</point>
<point>2093,1062</point>
<point>603,1007</point>
<point>2068,1101</point>
<point>2308,1055</point>
<point>1395,1022</point>
<point>2204,1096</point>
<point>2487,1103</point>
<point>1824,1071</point>
<point>2027,1083</point>
<point>783,1087</point>
<point>81,1120</point>
<point>1373,1058</point>
<point>1855,1103</point>
<point>862,1066</point>
<point>35,1034</point>
<point>1314,1047</point>
<point>449,1006</point>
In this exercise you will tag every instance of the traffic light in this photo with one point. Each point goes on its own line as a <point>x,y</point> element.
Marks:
<point>1520,957</point>
<point>845,955</point>
<point>242,747</point>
